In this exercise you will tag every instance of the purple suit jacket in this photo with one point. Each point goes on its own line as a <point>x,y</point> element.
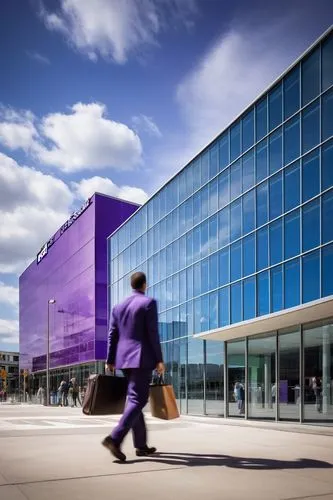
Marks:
<point>133,336</point>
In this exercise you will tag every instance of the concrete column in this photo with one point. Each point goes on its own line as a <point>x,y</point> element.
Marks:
<point>326,380</point>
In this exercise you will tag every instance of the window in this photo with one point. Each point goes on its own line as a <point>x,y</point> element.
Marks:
<point>327,272</point>
<point>249,255</point>
<point>291,140</point>
<point>248,170</point>
<point>213,161</point>
<point>275,196</point>
<point>213,227</point>
<point>183,287</point>
<point>196,174</point>
<point>204,276</point>
<point>182,252</point>
<point>275,107</point>
<point>224,151</point>
<point>224,314</point>
<point>189,282</point>
<point>236,303</point>
<point>248,130</point>
<point>261,160</point>
<point>327,63</point>
<point>291,186</point>
<point>189,248</point>
<point>213,311</point>
<point>224,227</point>
<point>310,127</point>
<point>261,119</point>
<point>213,196</point>
<point>236,261</point>
<point>291,234</point>
<point>224,188</point>
<point>291,283</point>
<point>262,204</point>
<point>235,220</point>
<point>196,243</point>
<point>249,298</point>
<point>224,274</point>
<point>197,279</point>
<point>326,165</point>
<point>263,293</point>
<point>275,242</point>
<point>262,248</point>
<point>249,212</point>
<point>275,151</point>
<point>189,180</point>
<point>197,208</point>
<point>310,77</point>
<point>291,93</point>
<point>311,225</point>
<point>234,141</point>
<point>204,168</point>
<point>204,203</point>
<point>276,289</point>
<point>204,239</point>
<point>327,217</point>
<point>327,113</point>
<point>188,214</point>
<point>311,276</point>
<point>213,271</point>
<point>235,180</point>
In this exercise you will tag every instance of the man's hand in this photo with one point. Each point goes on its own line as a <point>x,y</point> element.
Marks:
<point>109,368</point>
<point>160,368</point>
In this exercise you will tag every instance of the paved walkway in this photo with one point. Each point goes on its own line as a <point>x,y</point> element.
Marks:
<point>52,453</point>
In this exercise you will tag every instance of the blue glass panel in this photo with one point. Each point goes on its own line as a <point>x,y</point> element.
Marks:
<point>249,255</point>
<point>292,140</point>
<point>262,248</point>
<point>213,161</point>
<point>327,217</point>
<point>276,289</point>
<point>175,289</point>
<point>310,175</point>
<point>236,261</point>
<point>213,233</point>
<point>275,151</point>
<point>175,223</point>
<point>291,92</point>
<point>213,311</point>
<point>197,279</point>
<point>197,208</point>
<point>224,265</point>
<point>275,196</point>
<point>204,276</point>
<point>235,220</point>
<point>163,236</point>
<point>275,107</point>
<point>291,234</point>
<point>182,252</point>
<point>188,214</point>
<point>204,238</point>
<point>196,174</point>
<point>204,168</point>
<point>169,293</point>
<point>327,63</point>
<point>249,298</point>
<point>248,170</point>
<point>248,130</point>
<point>213,271</point>
<point>213,196</point>
<point>235,180</point>
<point>162,205</point>
<point>263,293</point>
<point>182,219</point>
<point>261,119</point>
<point>291,186</point>
<point>310,77</point>
<point>224,227</point>
<point>236,303</point>
<point>262,204</point>
<point>310,127</point>
<point>189,248</point>
<point>327,165</point>
<point>311,277</point>
<point>261,160</point>
<point>196,243</point>
<point>311,225</point>
<point>327,271</point>
<point>197,315</point>
<point>224,151</point>
<point>327,114</point>
<point>150,214</point>
<point>224,188</point>
<point>204,202</point>
<point>249,212</point>
<point>175,255</point>
<point>224,314</point>
<point>275,242</point>
<point>189,180</point>
<point>189,282</point>
<point>235,141</point>
<point>190,318</point>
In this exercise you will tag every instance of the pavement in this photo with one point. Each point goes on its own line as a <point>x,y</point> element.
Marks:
<point>55,453</point>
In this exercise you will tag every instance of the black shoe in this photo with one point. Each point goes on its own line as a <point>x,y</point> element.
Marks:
<point>114,449</point>
<point>145,452</point>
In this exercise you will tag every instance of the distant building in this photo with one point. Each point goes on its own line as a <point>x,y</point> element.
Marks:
<point>9,372</point>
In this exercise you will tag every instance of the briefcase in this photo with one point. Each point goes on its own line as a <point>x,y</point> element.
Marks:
<point>105,395</point>
<point>163,403</point>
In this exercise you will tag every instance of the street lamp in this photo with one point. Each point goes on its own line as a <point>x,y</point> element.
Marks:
<point>50,302</point>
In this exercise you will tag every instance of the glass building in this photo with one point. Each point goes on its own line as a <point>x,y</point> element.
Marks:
<point>238,251</point>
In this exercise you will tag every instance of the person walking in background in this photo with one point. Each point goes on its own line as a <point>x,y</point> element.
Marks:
<point>239,395</point>
<point>134,348</point>
<point>74,392</point>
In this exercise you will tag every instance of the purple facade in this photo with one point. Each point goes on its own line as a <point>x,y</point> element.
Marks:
<point>72,269</point>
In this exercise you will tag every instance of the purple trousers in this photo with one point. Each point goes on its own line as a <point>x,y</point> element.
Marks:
<point>137,398</point>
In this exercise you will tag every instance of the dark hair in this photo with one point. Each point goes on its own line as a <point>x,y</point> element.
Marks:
<point>138,280</point>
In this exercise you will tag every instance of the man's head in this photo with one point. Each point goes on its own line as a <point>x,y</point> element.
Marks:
<point>139,282</point>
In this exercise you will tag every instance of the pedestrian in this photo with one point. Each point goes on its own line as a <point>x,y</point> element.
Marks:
<point>134,348</point>
<point>74,392</point>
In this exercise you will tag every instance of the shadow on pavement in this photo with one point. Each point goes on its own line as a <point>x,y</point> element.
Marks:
<point>199,460</point>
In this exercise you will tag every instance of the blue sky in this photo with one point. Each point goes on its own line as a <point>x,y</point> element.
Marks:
<point>116,96</point>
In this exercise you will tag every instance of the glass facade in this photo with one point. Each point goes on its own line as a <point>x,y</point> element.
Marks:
<point>243,231</point>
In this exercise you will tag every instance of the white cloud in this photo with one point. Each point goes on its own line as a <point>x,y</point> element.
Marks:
<point>9,331</point>
<point>113,29</point>
<point>86,187</point>
<point>146,124</point>
<point>9,294</point>
<point>36,56</point>
<point>17,129</point>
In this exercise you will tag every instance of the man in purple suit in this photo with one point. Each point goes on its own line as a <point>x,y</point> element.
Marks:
<point>134,348</point>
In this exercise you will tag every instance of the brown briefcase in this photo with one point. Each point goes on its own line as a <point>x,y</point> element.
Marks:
<point>105,395</point>
<point>163,401</point>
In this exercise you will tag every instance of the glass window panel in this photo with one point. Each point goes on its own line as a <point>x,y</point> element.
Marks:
<point>289,366</point>
<point>292,140</point>
<point>261,119</point>
<point>213,311</point>
<point>291,92</point>
<point>213,161</point>
<point>261,160</point>
<point>213,271</point>
<point>249,255</point>
<point>327,63</point>
<point>292,283</point>
<point>197,208</point>
<point>204,239</point>
<point>275,151</point>
<point>291,186</point>
<point>276,289</point>
<point>224,227</point>
<point>182,252</point>
<point>327,270</point>
<point>189,248</point>
<point>224,314</point>
<point>249,212</point>
<point>204,276</point>
<point>224,267</point>
<point>169,260</point>
<point>236,378</point>
<point>310,127</point>
<point>235,220</point>
<point>310,175</point>
<point>175,223</point>
<point>235,141</point>
<point>213,196</point>
<point>275,196</point>
<point>292,234</point>
<point>310,77</point>
<point>204,168</point>
<point>235,180</point>
<point>263,293</point>
<point>175,289</point>
<point>248,170</point>
<point>311,225</point>
<point>224,188</point>
<point>224,155</point>
<point>162,235</point>
<point>189,282</point>
<point>275,107</point>
<point>190,317</point>
<point>188,214</point>
<point>262,204</point>
<point>327,217</point>
<point>327,113</point>
<point>182,219</point>
<point>236,303</point>
<point>248,130</point>
<point>195,382</point>
<point>249,298</point>
<point>213,233</point>
<point>236,261</point>
<point>163,264</point>
<point>196,174</point>
<point>204,203</point>
<point>262,248</point>
<point>275,242</point>
<point>189,180</point>
<point>197,279</point>
<point>175,256</point>
<point>214,377</point>
<point>182,186</point>
<point>310,276</point>
<point>327,165</point>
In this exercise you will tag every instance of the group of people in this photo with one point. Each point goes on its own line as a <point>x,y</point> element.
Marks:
<point>69,391</point>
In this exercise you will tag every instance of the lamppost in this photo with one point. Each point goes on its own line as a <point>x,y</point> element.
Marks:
<point>50,302</point>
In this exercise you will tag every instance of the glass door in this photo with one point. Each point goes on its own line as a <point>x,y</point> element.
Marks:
<point>236,378</point>
<point>289,376</point>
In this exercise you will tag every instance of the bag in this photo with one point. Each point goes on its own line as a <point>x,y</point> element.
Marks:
<point>105,395</point>
<point>163,403</point>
